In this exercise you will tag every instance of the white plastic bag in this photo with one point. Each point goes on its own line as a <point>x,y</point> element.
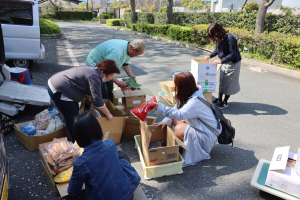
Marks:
<point>43,118</point>
<point>54,124</point>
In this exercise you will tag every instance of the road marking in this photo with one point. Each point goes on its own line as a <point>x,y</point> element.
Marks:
<point>257,69</point>
<point>69,48</point>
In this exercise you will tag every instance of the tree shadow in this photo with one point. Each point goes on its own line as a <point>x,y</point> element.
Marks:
<point>241,108</point>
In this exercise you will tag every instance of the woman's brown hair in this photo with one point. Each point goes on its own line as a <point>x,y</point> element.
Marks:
<point>108,66</point>
<point>185,86</point>
<point>216,33</point>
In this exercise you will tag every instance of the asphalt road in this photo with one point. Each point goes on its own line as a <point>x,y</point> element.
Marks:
<point>264,114</point>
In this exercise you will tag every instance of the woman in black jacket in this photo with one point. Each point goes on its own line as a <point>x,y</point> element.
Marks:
<point>227,50</point>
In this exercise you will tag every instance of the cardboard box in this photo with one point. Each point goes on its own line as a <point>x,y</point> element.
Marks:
<point>132,99</point>
<point>207,88</point>
<point>203,71</point>
<point>112,129</point>
<point>177,72</point>
<point>168,91</point>
<point>132,126</point>
<point>161,155</point>
<point>60,188</point>
<point>32,142</point>
<point>207,95</point>
<point>284,171</point>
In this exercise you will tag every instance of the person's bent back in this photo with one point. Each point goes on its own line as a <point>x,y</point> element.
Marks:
<point>106,175</point>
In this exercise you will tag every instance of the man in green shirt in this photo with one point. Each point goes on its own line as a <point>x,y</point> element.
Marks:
<point>120,51</point>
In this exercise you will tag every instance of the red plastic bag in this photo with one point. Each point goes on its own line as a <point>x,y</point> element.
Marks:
<point>141,112</point>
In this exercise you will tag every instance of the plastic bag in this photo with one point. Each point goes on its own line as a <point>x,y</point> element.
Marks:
<point>47,157</point>
<point>41,132</point>
<point>55,124</point>
<point>51,149</point>
<point>142,111</point>
<point>157,144</point>
<point>64,176</point>
<point>42,119</point>
<point>28,129</point>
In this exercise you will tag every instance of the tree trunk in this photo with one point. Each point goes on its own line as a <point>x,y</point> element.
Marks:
<point>261,15</point>
<point>244,4</point>
<point>87,5</point>
<point>169,11</point>
<point>54,5</point>
<point>133,20</point>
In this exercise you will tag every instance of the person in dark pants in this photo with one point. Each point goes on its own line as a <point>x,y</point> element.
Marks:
<point>69,87</point>
<point>228,51</point>
<point>120,51</point>
<point>106,172</point>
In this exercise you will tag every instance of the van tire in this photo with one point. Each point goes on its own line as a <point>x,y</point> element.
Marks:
<point>22,63</point>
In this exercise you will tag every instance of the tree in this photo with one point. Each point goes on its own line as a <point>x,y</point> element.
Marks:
<point>68,4</point>
<point>82,5</point>
<point>113,4</point>
<point>244,4</point>
<point>251,6</point>
<point>124,6</point>
<point>261,15</point>
<point>54,5</point>
<point>132,3</point>
<point>153,8</point>
<point>163,9</point>
<point>208,6</point>
<point>169,11</point>
<point>193,5</point>
<point>143,9</point>
<point>98,7</point>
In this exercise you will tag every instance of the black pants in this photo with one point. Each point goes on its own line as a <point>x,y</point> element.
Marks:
<point>106,89</point>
<point>122,155</point>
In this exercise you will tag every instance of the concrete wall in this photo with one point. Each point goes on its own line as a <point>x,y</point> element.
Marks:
<point>222,5</point>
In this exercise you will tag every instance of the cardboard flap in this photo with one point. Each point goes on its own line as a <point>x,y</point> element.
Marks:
<point>145,135</point>
<point>297,167</point>
<point>135,93</point>
<point>280,158</point>
<point>118,93</point>
<point>200,61</point>
<point>147,91</point>
<point>180,143</point>
<point>63,188</point>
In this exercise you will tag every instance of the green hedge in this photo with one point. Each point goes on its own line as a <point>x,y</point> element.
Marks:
<point>109,13</point>
<point>48,27</point>
<point>284,24</point>
<point>275,46</point>
<point>71,15</point>
<point>103,16</point>
<point>115,22</point>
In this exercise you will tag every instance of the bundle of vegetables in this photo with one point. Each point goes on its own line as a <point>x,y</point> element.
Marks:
<point>131,82</point>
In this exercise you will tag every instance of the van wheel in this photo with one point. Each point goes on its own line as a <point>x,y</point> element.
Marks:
<point>22,63</point>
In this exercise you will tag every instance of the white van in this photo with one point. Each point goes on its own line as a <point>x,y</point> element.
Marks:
<point>21,32</point>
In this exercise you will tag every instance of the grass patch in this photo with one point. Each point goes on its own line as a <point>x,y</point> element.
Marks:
<point>48,27</point>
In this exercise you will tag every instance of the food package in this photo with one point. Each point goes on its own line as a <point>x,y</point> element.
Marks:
<point>131,83</point>
<point>28,129</point>
<point>41,132</point>
<point>51,149</point>
<point>54,124</point>
<point>64,176</point>
<point>157,144</point>
<point>63,142</point>
<point>47,156</point>
<point>142,111</point>
<point>42,119</point>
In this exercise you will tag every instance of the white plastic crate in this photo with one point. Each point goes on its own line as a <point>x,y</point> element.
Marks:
<point>158,170</point>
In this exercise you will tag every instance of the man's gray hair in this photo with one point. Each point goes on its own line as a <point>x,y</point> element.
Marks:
<point>139,45</point>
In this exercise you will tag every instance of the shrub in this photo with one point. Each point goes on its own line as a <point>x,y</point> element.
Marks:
<point>48,27</point>
<point>145,17</point>
<point>124,6</point>
<point>152,29</point>
<point>109,13</point>
<point>42,15</point>
<point>127,10</point>
<point>180,33</point>
<point>199,35</point>
<point>70,15</point>
<point>251,6</point>
<point>103,16</point>
<point>114,22</point>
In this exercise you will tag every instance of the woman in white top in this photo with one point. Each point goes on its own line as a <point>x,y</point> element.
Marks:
<point>197,137</point>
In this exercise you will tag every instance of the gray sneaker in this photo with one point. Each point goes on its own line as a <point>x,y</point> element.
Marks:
<point>223,105</point>
<point>217,102</point>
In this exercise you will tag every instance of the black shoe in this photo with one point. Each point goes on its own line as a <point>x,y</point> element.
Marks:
<point>216,101</point>
<point>223,105</point>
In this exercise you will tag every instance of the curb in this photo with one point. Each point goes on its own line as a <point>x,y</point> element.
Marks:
<point>60,35</point>
<point>245,61</point>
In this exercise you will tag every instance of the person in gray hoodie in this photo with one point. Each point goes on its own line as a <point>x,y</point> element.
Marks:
<point>185,116</point>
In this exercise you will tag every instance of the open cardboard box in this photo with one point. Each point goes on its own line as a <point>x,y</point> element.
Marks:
<point>203,71</point>
<point>284,171</point>
<point>112,129</point>
<point>132,99</point>
<point>32,142</point>
<point>58,188</point>
<point>132,126</point>
<point>207,95</point>
<point>168,91</point>
<point>160,155</point>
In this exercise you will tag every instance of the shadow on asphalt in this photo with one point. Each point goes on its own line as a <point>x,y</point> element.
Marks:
<point>240,108</point>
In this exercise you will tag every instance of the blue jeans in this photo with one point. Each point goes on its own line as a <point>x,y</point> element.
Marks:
<point>69,109</point>
<point>107,89</point>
